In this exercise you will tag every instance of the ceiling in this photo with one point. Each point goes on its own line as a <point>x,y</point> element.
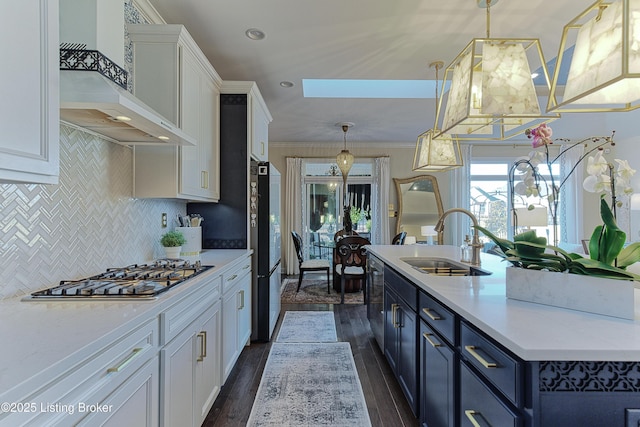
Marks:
<point>353,39</point>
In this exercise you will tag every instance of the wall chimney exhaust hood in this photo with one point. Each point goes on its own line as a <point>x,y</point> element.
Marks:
<point>93,96</point>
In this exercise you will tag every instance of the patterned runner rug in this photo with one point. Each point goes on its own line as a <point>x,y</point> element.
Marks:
<point>308,326</point>
<point>310,384</point>
<point>314,291</point>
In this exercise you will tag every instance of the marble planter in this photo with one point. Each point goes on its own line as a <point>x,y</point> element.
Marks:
<point>172,252</point>
<point>573,291</point>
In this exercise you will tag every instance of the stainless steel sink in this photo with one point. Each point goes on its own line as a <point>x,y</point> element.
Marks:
<point>444,267</point>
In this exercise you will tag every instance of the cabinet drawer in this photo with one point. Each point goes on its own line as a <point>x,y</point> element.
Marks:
<point>498,367</point>
<point>232,277</point>
<point>479,406</point>
<point>182,313</point>
<point>405,289</point>
<point>91,380</point>
<point>437,316</point>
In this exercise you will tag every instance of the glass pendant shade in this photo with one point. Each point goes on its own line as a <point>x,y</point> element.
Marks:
<point>605,61</point>
<point>436,154</point>
<point>492,94</point>
<point>345,160</point>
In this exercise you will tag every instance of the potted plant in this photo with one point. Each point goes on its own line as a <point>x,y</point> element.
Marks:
<point>172,242</point>
<point>547,274</point>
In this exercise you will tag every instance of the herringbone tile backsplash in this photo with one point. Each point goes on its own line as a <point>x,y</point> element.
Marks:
<point>83,225</point>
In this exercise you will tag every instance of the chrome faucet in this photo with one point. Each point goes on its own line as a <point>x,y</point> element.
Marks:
<point>475,244</point>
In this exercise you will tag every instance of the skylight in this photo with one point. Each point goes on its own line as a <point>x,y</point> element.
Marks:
<point>341,88</point>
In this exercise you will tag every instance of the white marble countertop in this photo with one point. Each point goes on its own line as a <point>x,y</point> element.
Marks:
<point>531,331</point>
<point>40,338</point>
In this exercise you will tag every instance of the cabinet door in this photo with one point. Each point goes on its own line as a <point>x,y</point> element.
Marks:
<point>230,337</point>
<point>178,379</point>
<point>190,86</point>
<point>408,354</point>
<point>260,131</point>
<point>244,312</point>
<point>391,329</point>
<point>207,364</point>
<point>30,124</point>
<point>437,380</point>
<point>209,142</point>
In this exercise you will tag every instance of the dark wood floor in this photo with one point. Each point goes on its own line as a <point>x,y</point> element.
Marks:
<point>385,401</point>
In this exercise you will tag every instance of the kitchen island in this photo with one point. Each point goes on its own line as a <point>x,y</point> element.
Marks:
<point>58,357</point>
<point>526,364</point>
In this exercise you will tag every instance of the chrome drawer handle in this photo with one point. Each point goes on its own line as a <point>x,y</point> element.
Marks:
<point>126,361</point>
<point>246,266</point>
<point>471,415</point>
<point>428,312</point>
<point>433,343</point>
<point>472,350</point>
<point>232,278</point>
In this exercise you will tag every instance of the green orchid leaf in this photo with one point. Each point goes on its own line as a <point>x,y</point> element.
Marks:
<point>629,255</point>
<point>594,242</point>
<point>503,244</point>
<point>522,240</point>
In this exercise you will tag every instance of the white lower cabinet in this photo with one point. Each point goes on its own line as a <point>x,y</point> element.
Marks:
<point>236,311</point>
<point>190,361</point>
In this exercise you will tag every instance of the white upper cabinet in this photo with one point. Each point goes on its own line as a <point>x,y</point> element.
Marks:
<point>29,105</point>
<point>258,117</point>
<point>172,75</point>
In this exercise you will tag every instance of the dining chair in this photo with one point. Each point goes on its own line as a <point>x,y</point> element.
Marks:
<point>398,239</point>
<point>310,264</point>
<point>343,233</point>
<point>352,257</point>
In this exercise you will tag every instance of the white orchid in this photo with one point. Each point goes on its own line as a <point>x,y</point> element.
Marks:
<point>597,183</point>
<point>597,165</point>
<point>599,179</point>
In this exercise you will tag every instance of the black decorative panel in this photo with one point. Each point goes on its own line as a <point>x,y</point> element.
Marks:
<point>91,60</point>
<point>590,376</point>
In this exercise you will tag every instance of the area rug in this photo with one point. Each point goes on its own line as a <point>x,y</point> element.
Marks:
<point>308,326</point>
<point>314,291</point>
<point>310,384</point>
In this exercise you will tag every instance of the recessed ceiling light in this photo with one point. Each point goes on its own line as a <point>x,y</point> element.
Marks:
<point>164,138</point>
<point>255,34</point>
<point>286,84</point>
<point>121,119</point>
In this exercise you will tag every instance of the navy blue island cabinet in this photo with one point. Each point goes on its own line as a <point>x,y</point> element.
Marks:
<point>454,374</point>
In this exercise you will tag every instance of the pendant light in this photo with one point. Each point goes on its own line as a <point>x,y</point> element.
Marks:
<point>345,159</point>
<point>604,63</point>
<point>492,94</point>
<point>435,154</point>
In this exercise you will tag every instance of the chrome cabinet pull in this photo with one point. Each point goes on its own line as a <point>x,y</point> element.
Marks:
<point>471,415</point>
<point>232,278</point>
<point>203,345</point>
<point>429,312</point>
<point>432,342</point>
<point>126,361</point>
<point>472,350</point>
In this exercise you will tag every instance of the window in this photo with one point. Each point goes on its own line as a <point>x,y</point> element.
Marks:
<point>323,202</point>
<point>490,199</point>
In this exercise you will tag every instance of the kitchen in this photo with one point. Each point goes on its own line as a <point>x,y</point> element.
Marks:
<point>90,221</point>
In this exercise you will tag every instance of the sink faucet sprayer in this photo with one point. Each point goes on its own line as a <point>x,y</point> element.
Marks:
<point>475,244</point>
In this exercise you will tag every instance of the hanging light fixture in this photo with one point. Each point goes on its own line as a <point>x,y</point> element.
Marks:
<point>435,154</point>
<point>345,158</point>
<point>605,60</point>
<point>492,94</point>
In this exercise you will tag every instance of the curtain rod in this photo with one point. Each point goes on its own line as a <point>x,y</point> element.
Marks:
<point>330,157</point>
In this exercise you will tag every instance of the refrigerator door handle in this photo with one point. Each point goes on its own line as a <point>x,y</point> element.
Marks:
<point>260,276</point>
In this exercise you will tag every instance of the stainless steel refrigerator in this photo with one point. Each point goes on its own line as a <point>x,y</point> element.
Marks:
<point>265,240</point>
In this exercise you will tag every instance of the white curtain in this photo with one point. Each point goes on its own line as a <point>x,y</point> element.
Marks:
<point>457,225</point>
<point>570,215</point>
<point>292,212</point>
<point>381,234</point>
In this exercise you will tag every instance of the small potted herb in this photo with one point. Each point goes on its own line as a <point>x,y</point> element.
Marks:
<point>172,242</point>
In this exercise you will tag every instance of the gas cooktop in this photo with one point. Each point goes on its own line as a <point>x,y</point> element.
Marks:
<point>143,281</point>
